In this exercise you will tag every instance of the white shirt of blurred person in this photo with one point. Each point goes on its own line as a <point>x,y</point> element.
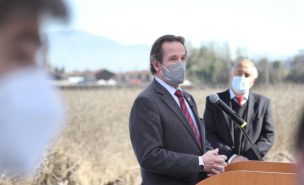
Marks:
<point>299,152</point>
<point>30,109</point>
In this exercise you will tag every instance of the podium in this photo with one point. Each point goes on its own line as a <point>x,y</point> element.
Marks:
<point>254,173</point>
<point>261,166</point>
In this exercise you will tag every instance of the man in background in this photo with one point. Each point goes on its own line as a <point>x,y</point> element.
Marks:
<point>30,110</point>
<point>167,134</point>
<point>255,109</point>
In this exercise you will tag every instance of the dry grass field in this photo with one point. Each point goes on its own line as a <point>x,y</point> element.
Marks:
<point>94,146</point>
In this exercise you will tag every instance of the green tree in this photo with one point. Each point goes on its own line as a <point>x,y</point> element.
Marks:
<point>208,64</point>
<point>296,73</point>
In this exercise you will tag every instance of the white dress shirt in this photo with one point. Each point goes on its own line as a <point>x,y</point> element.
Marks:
<point>232,96</point>
<point>172,90</point>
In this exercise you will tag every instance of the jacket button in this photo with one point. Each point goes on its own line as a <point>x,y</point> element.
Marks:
<point>232,146</point>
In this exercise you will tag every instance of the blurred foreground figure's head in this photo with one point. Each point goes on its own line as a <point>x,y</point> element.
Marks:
<point>299,152</point>
<point>30,110</point>
<point>19,30</point>
<point>242,77</point>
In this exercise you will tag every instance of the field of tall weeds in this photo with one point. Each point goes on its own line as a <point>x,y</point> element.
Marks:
<point>94,148</point>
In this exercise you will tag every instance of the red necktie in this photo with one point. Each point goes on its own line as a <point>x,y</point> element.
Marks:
<point>182,102</point>
<point>240,99</point>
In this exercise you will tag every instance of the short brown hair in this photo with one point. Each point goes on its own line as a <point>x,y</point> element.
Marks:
<point>54,7</point>
<point>157,50</point>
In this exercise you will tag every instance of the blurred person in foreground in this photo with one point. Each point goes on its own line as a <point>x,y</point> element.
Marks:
<point>299,152</point>
<point>167,134</point>
<point>30,110</point>
<point>255,109</point>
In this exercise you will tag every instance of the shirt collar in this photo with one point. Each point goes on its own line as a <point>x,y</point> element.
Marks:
<point>169,88</point>
<point>232,95</point>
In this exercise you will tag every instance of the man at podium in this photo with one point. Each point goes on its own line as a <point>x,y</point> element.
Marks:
<point>255,109</point>
<point>167,134</point>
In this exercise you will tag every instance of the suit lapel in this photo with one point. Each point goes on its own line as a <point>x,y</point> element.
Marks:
<point>252,110</point>
<point>230,124</point>
<point>171,103</point>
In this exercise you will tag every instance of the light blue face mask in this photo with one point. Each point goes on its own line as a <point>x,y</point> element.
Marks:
<point>240,84</point>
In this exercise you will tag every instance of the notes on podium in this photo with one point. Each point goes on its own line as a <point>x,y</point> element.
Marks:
<point>254,173</point>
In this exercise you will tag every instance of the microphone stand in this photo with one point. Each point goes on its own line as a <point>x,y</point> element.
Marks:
<point>252,146</point>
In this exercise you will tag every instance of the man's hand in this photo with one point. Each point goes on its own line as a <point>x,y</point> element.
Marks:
<point>239,158</point>
<point>214,163</point>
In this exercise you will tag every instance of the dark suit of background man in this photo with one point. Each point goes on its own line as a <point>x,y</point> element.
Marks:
<point>255,109</point>
<point>167,134</point>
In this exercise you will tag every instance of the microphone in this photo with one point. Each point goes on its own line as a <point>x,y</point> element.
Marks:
<point>214,98</point>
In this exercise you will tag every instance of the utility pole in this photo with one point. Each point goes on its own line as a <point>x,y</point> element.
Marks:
<point>228,60</point>
<point>267,73</point>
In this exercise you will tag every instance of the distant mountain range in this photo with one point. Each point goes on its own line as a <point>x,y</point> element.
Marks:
<point>78,50</point>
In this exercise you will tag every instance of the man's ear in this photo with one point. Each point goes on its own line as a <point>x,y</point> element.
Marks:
<point>156,65</point>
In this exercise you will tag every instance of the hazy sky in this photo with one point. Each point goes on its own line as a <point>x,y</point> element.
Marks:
<point>264,27</point>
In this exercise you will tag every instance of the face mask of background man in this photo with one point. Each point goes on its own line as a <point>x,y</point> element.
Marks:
<point>30,109</point>
<point>242,78</point>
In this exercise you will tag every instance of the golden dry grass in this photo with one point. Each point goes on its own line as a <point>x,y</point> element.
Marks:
<point>95,148</point>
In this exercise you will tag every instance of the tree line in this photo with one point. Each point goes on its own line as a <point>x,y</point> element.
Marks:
<point>211,63</point>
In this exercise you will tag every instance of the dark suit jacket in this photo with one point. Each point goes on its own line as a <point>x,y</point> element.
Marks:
<point>163,140</point>
<point>260,128</point>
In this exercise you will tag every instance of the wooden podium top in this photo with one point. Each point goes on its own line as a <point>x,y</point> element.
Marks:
<point>261,166</point>
<point>250,178</point>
